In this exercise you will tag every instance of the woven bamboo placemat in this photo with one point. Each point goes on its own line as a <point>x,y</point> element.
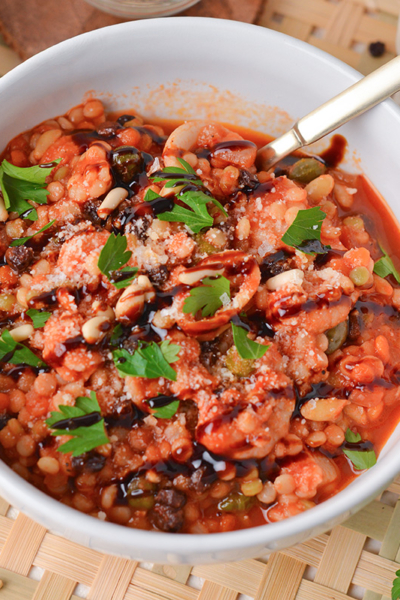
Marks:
<point>356,560</point>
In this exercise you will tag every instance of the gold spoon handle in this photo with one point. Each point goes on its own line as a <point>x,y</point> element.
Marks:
<point>358,98</point>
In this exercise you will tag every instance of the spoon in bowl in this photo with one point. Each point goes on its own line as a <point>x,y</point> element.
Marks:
<point>354,101</point>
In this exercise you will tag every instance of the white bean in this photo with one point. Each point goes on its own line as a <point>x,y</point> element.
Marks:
<point>191,277</point>
<point>22,333</point>
<point>93,330</point>
<point>294,277</point>
<point>112,201</point>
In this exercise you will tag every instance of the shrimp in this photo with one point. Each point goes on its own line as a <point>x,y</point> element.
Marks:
<point>244,275</point>
<point>79,256</point>
<point>305,475</point>
<point>74,364</point>
<point>193,135</point>
<point>266,210</point>
<point>241,427</point>
<point>91,176</point>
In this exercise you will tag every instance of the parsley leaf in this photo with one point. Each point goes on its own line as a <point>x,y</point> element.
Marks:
<point>396,587</point>
<point>21,241</point>
<point>384,267</point>
<point>149,360</point>
<point>209,297</point>
<point>305,227</point>
<point>246,347</point>
<point>111,259</point>
<point>17,354</point>
<point>19,184</point>
<point>197,218</point>
<point>68,422</point>
<point>177,176</point>
<point>168,411</point>
<point>361,459</point>
<point>38,317</point>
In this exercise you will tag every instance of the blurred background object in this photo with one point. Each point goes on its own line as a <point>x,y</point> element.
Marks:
<point>362,33</point>
<point>142,9</point>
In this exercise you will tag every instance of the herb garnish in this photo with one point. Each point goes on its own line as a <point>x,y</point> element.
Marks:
<point>209,297</point>
<point>16,353</point>
<point>384,267</point>
<point>198,217</point>
<point>246,347</point>
<point>149,360</point>
<point>21,241</point>
<point>111,259</point>
<point>85,437</point>
<point>176,176</point>
<point>305,228</point>
<point>19,184</point>
<point>396,587</point>
<point>361,459</point>
<point>164,406</point>
<point>38,317</point>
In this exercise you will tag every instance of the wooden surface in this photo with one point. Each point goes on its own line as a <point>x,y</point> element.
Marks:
<point>30,26</point>
<point>356,560</point>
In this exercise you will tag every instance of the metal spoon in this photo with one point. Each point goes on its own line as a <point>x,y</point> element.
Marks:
<point>357,99</point>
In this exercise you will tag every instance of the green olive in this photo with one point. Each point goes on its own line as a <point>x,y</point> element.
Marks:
<point>236,502</point>
<point>337,336</point>
<point>306,169</point>
<point>241,367</point>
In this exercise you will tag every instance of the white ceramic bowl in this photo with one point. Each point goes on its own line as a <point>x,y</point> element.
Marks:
<point>187,68</point>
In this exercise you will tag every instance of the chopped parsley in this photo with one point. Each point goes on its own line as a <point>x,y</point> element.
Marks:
<point>39,317</point>
<point>208,297</point>
<point>395,595</point>
<point>176,176</point>
<point>164,411</point>
<point>196,217</point>
<point>19,184</point>
<point>149,360</point>
<point>361,459</point>
<point>384,267</point>
<point>16,353</point>
<point>112,257</point>
<point>21,241</point>
<point>246,347</point>
<point>305,229</point>
<point>82,421</point>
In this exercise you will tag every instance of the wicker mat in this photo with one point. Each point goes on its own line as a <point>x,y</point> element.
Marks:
<point>356,560</point>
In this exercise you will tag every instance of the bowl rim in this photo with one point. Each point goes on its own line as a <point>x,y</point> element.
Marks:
<point>46,509</point>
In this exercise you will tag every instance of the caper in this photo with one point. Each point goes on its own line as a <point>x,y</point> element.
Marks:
<point>359,275</point>
<point>236,502</point>
<point>140,483</point>
<point>241,367</point>
<point>203,245</point>
<point>306,169</point>
<point>337,336</point>
<point>141,502</point>
<point>127,162</point>
<point>7,301</point>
